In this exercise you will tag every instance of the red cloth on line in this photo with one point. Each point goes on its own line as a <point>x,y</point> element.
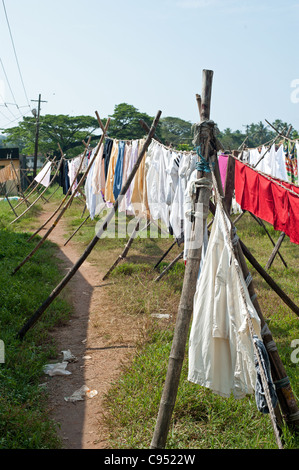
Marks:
<point>268,200</point>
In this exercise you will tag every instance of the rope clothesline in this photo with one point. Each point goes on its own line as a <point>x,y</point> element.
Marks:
<point>277,181</point>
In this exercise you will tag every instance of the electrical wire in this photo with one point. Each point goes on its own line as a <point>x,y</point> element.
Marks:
<point>12,94</point>
<point>15,53</point>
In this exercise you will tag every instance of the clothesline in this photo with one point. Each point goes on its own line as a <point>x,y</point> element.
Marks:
<point>277,181</point>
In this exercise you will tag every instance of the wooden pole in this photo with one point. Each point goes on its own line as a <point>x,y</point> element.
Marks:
<point>229,183</point>
<point>92,244</point>
<point>168,268</point>
<point>276,250</point>
<point>19,186</point>
<point>64,208</point>
<point>63,200</point>
<point>28,208</point>
<point>285,394</point>
<point>77,229</point>
<point>261,223</point>
<point>10,204</point>
<point>185,309</point>
<point>123,255</point>
<point>164,255</point>
<point>36,185</point>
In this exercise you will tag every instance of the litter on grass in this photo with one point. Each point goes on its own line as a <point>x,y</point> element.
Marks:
<point>80,394</point>
<point>57,369</point>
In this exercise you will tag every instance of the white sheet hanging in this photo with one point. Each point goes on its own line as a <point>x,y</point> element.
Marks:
<point>221,355</point>
<point>44,176</point>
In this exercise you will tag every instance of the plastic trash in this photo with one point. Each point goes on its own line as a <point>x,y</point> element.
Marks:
<point>68,356</point>
<point>57,369</point>
<point>81,393</point>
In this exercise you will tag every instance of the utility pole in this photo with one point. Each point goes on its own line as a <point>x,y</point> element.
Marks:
<point>36,115</point>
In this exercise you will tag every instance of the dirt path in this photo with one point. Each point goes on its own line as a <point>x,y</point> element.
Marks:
<point>99,336</point>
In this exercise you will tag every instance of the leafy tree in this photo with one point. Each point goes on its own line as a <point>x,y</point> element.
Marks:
<point>177,132</point>
<point>67,131</point>
<point>125,123</point>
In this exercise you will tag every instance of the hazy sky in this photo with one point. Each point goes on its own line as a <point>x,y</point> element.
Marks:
<point>88,55</point>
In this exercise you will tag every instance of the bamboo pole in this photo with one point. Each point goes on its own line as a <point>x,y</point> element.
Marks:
<point>37,199</point>
<point>10,204</point>
<point>165,254</point>
<point>19,187</point>
<point>285,394</point>
<point>276,246</point>
<point>276,250</point>
<point>35,317</point>
<point>63,200</point>
<point>185,309</point>
<point>168,268</point>
<point>67,204</point>
<point>77,229</point>
<point>123,255</point>
<point>32,182</point>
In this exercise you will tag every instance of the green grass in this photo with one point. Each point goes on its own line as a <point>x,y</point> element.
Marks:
<point>24,419</point>
<point>201,419</point>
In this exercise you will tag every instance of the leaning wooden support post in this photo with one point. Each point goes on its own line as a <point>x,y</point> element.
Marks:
<point>170,266</point>
<point>63,200</point>
<point>10,204</point>
<point>165,254</point>
<point>261,223</point>
<point>276,250</point>
<point>35,317</point>
<point>123,255</point>
<point>19,186</point>
<point>77,230</point>
<point>50,230</point>
<point>37,199</point>
<point>270,281</point>
<point>168,399</point>
<point>33,183</point>
<point>288,406</point>
<point>286,398</point>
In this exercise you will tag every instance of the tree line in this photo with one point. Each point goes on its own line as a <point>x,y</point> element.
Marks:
<point>125,123</point>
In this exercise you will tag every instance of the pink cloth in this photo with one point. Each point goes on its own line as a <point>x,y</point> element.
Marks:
<point>222,161</point>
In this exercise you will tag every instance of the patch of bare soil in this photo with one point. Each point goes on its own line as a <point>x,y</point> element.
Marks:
<point>99,336</point>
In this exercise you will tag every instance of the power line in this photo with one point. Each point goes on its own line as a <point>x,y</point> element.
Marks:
<point>13,96</point>
<point>15,53</point>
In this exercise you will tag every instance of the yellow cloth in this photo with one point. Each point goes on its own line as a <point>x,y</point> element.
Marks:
<point>109,197</point>
<point>139,194</point>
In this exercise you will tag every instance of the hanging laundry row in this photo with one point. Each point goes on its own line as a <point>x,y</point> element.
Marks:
<point>268,198</point>
<point>280,162</point>
<point>159,190</point>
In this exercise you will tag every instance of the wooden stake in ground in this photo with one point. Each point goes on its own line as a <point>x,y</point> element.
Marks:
<point>63,200</point>
<point>285,394</point>
<point>165,254</point>
<point>185,309</point>
<point>77,229</point>
<point>35,317</point>
<point>36,185</point>
<point>276,250</point>
<point>261,223</point>
<point>37,199</point>
<point>125,251</point>
<point>63,209</point>
<point>173,262</point>
<point>19,186</point>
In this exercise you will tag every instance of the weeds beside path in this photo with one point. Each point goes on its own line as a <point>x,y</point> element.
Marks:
<point>98,336</point>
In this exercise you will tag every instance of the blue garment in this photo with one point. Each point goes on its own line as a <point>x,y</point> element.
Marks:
<point>259,390</point>
<point>118,174</point>
<point>106,154</point>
